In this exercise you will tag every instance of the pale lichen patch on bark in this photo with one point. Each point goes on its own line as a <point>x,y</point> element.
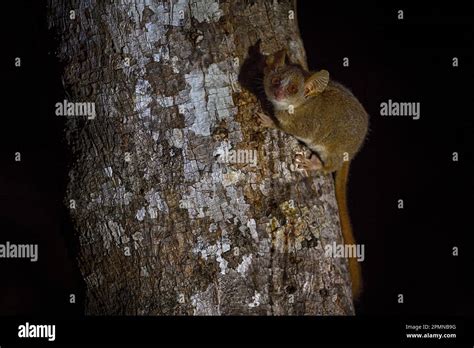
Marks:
<point>144,272</point>
<point>232,177</point>
<point>204,302</point>
<point>168,13</point>
<point>210,98</point>
<point>206,10</point>
<point>214,250</point>
<point>143,98</point>
<point>175,137</point>
<point>243,267</point>
<point>137,238</point>
<point>155,200</point>
<point>108,171</point>
<point>256,298</point>
<point>141,214</point>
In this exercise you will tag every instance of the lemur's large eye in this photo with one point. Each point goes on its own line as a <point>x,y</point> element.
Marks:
<point>292,88</point>
<point>275,81</point>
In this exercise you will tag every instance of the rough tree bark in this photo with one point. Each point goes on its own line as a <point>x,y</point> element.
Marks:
<point>163,227</point>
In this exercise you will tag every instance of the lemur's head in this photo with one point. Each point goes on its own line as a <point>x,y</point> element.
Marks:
<point>288,84</point>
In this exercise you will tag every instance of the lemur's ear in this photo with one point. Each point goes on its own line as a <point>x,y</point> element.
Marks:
<point>316,83</point>
<point>276,59</point>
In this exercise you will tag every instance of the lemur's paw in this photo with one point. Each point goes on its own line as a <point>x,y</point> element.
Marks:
<point>308,164</point>
<point>265,120</point>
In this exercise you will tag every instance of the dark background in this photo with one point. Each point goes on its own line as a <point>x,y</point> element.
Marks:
<point>408,251</point>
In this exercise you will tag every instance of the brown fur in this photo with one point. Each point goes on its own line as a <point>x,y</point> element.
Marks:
<point>342,176</point>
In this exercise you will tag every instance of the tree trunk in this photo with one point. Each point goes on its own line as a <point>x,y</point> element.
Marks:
<point>167,221</point>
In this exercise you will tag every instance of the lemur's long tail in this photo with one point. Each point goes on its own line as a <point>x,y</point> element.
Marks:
<point>342,176</point>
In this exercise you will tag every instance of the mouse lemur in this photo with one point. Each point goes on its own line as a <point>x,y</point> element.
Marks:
<point>328,119</point>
